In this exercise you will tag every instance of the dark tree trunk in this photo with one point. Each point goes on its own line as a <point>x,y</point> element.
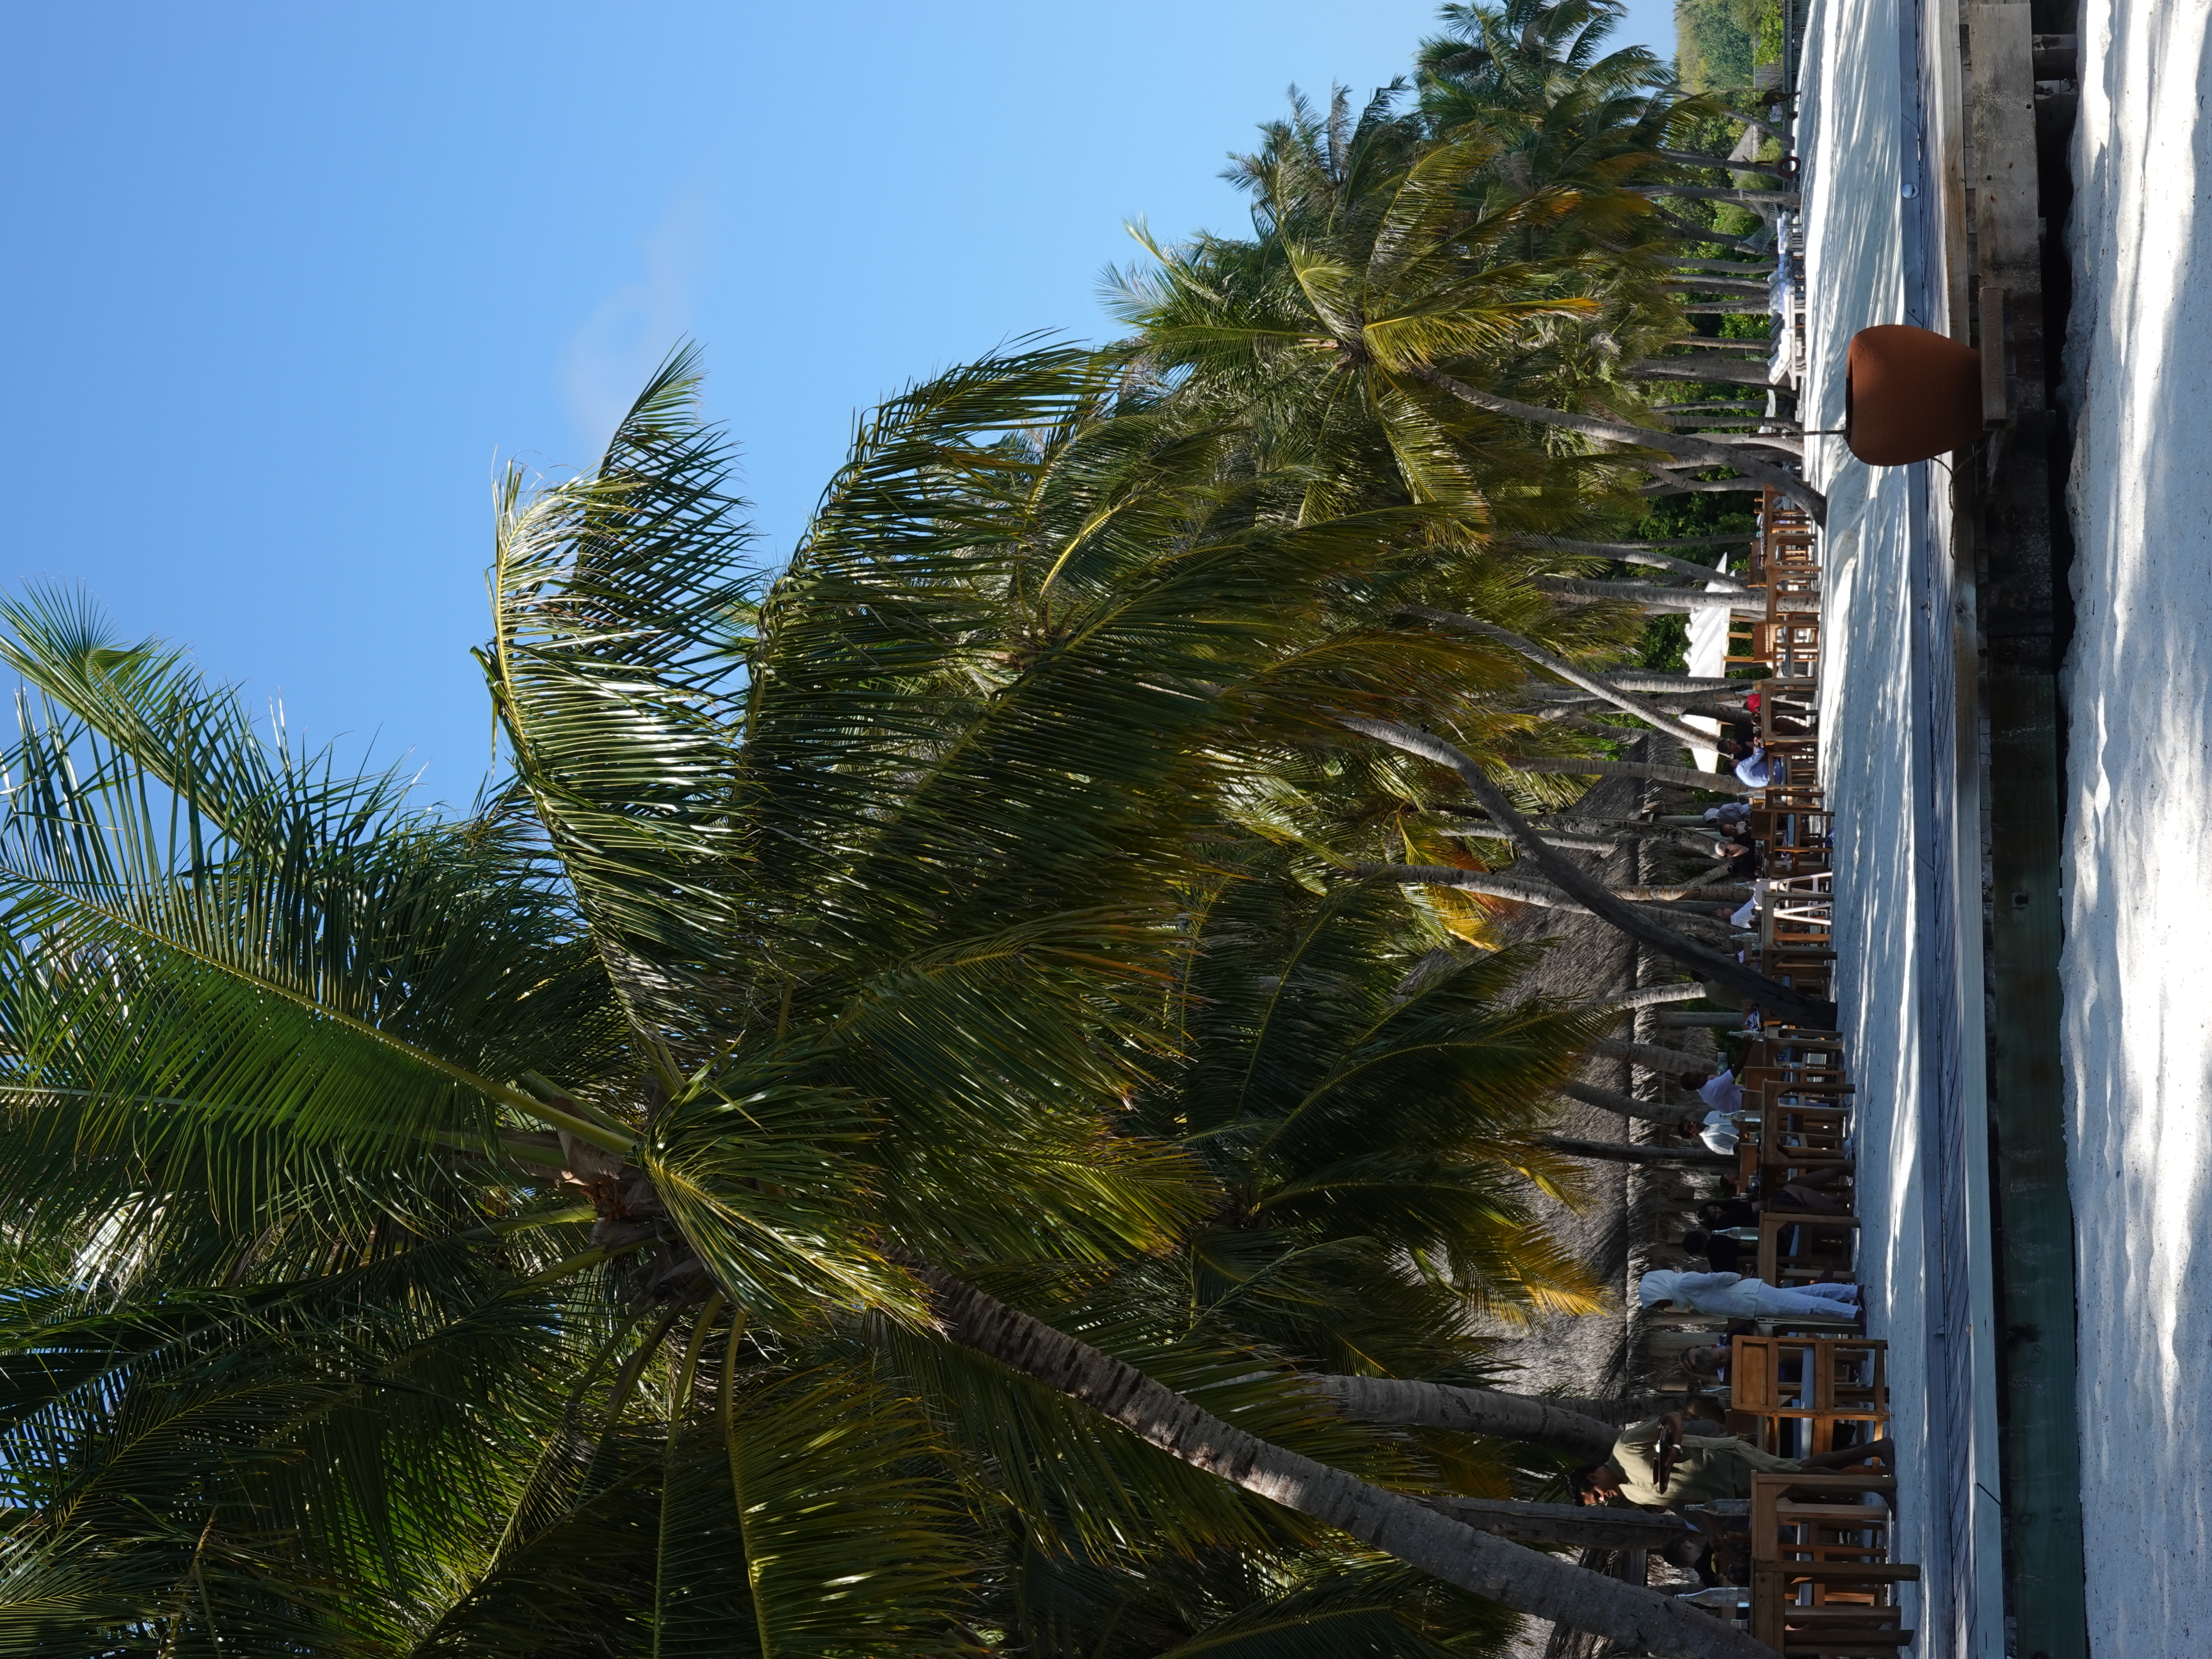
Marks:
<point>1699,450</point>
<point>1522,1579</point>
<point>1536,654</point>
<point>1780,198</point>
<point>1527,1417</point>
<point>1670,1062</point>
<point>1564,1523</point>
<point>1614,1152</point>
<point>1684,368</point>
<point>1723,783</point>
<point>1652,596</point>
<point>1709,965</point>
<point>1648,1111</point>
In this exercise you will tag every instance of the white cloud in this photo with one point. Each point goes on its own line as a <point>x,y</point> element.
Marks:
<point>608,357</point>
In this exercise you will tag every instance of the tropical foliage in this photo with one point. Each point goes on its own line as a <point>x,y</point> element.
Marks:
<point>535,1230</point>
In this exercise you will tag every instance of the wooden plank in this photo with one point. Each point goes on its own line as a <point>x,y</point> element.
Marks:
<point>1997,403</point>
<point>2001,95</point>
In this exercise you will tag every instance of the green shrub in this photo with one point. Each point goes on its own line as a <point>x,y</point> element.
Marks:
<point>1718,41</point>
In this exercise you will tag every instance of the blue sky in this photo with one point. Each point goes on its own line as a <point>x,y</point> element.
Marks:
<point>287,282</point>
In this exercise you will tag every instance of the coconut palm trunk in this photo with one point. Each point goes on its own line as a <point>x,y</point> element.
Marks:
<point>1743,285</point>
<point>1709,965</point>
<point>1567,671</point>
<point>1672,1062</point>
<point>1519,891</point>
<point>1680,486</point>
<point>1700,450</point>
<point>1615,1152</point>
<point>1599,835</point>
<point>1698,368</point>
<point>1647,680</point>
<point>1692,233</point>
<point>1648,554</point>
<point>1399,1526</point>
<point>1530,1418</point>
<point>1652,996</point>
<point>1564,1523</point>
<point>1771,198</point>
<point>1648,1111</point>
<point>1652,596</point>
<point>1684,777</point>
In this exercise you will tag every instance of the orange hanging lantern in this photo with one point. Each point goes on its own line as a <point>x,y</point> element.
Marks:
<point>1910,395</point>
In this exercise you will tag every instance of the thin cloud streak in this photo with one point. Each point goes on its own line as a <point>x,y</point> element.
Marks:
<point>609,357</point>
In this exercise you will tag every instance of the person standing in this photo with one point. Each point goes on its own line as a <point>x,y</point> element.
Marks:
<point>1656,1464</point>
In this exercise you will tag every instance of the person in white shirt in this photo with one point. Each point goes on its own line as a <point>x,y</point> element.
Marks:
<point>1747,912</point>
<point>1718,1089</point>
<point>1731,1295</point>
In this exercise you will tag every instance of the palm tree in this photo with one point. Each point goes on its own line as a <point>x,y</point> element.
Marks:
<point>1365,1094</point>
<point>1423,288</point>
<point>607,1222</point>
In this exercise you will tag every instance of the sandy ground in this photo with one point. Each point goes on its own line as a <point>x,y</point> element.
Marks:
<point>2138,1032</point>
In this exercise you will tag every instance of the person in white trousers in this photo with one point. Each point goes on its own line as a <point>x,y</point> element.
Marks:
<point>1731,1295</point>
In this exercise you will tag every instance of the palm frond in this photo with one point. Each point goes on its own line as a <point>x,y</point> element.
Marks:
<point>619,602</point>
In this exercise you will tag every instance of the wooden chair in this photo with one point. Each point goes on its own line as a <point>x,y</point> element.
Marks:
<point>1837,1516</point>
<point>1795,1046</point>
<point>1784,642</point>
<point>1787,1136</point>
<point>1791,863</point>
<point>1814,977</point>
<point>1804,1123</point>
<point>1794,646</point>
<point>1787,718</point>
<point>1788,540</point>
<point>1800,818</point>
<point>1807,1067</point>
<point>1793,591</point>
<point>1802,900</point>
<point>1822,1583</point>
<point>1830,1609</point>
<point>1792,834</point>
<point>1807,1259</point>
<point>1796,911</point>
<point>1795,926</point>
<point>1839,1381</point>
<point>1809,1083</point>
<point>1782,1031</point>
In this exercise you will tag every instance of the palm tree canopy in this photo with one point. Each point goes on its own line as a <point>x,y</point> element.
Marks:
<point>476,1234</point>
